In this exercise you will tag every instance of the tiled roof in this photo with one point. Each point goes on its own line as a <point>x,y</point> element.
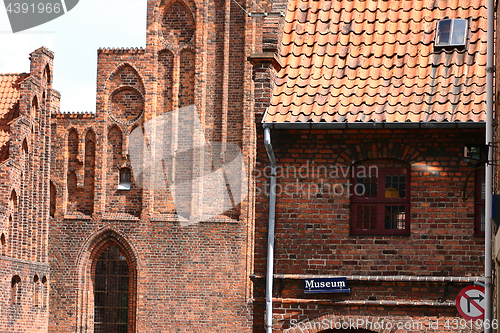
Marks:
<point>9,97</point>
<point>375,61</point>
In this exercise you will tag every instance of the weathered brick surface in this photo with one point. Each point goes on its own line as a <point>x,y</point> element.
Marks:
<point>191,278</point>
<point>313,224</point>
<point>24,204</point>
<point>195,278</point>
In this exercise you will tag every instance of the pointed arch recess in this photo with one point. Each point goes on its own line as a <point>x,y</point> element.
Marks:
<point>165,81</point>
<point>115,144</point>
<point>178,25</point>
<point>187,78</point>
<point>34,108</point>
<point>125,75</point>
<point>91,250</point>
<point>125,94</point>
<point>73,142</point>
<point>47,77</point>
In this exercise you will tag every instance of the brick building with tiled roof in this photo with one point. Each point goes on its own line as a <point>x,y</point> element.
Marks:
<point>356,109</point>
<point>364,123</point>
<point>124,256</point>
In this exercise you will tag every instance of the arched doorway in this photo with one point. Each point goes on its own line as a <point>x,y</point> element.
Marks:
<point>107,294</point>
<point>111,292</point>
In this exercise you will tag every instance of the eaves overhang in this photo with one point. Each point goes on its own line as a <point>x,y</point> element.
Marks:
<point>375,125</point>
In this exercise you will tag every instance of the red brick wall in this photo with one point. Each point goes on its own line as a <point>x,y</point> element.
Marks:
<point>313,227</point>
<point>24,204</point>
<point>442,224</point>
<point>187,278</point>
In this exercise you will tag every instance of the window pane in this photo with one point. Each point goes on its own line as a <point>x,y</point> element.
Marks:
<point>395,186</point>
<point>483,228</point>
<point>366,217</point>
<point>483,188</point>
<point>459,32</point>
<point>443,32</point>
<point>395,217</point>
<point>366,187</point>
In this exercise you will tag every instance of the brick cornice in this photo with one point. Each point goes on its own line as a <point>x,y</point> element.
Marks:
<point>265,58</point>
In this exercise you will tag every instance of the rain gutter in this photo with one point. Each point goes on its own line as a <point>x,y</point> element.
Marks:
<point>270,236</point>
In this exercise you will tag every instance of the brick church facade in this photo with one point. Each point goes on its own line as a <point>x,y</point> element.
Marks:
<point>103,216</point>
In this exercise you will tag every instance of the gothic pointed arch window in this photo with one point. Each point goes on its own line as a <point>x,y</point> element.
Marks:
<point>113,296</point>
<point>44,292</point>
<point>36,290</point>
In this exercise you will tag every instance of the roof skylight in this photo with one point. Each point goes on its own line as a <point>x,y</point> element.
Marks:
<point>451,32</point>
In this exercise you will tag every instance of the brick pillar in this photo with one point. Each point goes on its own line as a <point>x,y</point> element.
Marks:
<point>265,67</point>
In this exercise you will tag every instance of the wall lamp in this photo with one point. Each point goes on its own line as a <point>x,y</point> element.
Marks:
<point>476,152</point>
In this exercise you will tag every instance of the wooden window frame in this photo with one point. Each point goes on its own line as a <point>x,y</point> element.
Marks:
<point>380,201</point>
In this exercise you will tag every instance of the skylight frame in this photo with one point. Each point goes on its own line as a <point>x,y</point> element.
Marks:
<point>456,26</point>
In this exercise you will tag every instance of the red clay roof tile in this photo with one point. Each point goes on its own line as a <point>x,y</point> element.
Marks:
<point>374,60</point>
<point>9,97</point>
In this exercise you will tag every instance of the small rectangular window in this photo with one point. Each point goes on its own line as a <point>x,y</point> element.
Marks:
<point>451,32</point>
<point>125,177</point>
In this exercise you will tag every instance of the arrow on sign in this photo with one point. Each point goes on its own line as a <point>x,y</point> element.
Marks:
<point>471,300</point>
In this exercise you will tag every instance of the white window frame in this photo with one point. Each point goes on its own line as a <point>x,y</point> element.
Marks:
<point>451,32</point>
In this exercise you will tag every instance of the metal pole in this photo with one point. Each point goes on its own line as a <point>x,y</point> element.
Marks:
<point>488,315</point>
<point>270,235</point>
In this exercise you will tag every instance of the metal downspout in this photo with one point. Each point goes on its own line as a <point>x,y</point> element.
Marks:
<point>488,315</point>
<point>270,235</point>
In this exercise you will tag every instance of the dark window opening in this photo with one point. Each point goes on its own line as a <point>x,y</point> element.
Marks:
<point>380,203</point>
<point>479,203</point>
<point>53,196</point>
<point>44,291</point>
<point>16,290</point>
<point>111,292</point>
<point>36,290</point>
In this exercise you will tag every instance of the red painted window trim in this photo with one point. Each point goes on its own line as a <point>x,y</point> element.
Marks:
<point>380,202</point>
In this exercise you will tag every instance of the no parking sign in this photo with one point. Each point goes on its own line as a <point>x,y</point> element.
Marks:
<point>471,302</point>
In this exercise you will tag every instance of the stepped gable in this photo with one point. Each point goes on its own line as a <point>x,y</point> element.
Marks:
<point>9,108</point>
<point>375,61</point>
